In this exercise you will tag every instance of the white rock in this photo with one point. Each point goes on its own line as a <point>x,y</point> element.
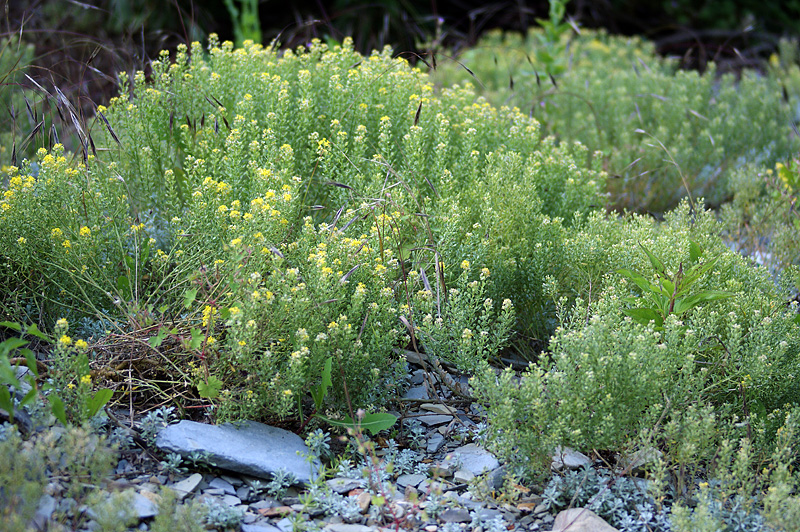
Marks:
<point>566,457</point>
<point>580,520</point>
<point>187,485</point>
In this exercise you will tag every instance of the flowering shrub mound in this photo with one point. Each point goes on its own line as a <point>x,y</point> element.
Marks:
<point>273,210</point>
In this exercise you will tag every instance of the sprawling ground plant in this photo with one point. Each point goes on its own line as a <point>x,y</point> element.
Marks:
<point>661,130</point>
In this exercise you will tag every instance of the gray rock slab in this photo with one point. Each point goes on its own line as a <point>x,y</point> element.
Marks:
<point>437,408</point>
<point>410,480</point>
<point>260,527</point>
<point>476,459</point>
<point>343,485</point>
<point>566,457</point>
<point>187,485</point>
<point>455,515</point>
<point>250,448</point>
<point>47,505</point>
<point>580,520</point>
<point>144,507</point>
<point>224,485</point>
<point>416,392</point>
<point>435,420</point>
<point>345,527</point>
<point>435,442</point>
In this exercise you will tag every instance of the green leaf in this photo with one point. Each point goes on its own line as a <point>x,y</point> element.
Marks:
<point>658,266</point>
<point>644,316</point>
<point>57,407</point>
<point>33,330</point>
<point>694,273</point>
<point>98,401</point>
<point>158,339</point>
<point>30,358</point>
<point>11,325</point>
<point>198,337</point>
<point>124,287</point>
<point>29,397</point>
<point>639,280</point>
<point>695,251</point>
<point>372,423</point>
<point>321,389</point>
<point>188,298</point>
<point>6,403</point>
<point>703,297</point>
<point>210,389</point>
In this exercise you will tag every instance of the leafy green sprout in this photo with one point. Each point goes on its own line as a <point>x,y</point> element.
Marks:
<point>671,292</point>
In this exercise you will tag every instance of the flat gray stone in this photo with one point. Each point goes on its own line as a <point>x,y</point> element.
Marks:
<point>410,480</point>
<point>187,485</point>
<point>250,448</point>
<point>438,408</point>
<point>416,392</point>
<point>224,485</point>
<point>455,515</point>
<point>47,505</point>
<point>435,442</point>
<point>476,459</point>
<point>462,476</point>
<point>345,527</point>
<point>144,507</point>
<point>566,457</point>
<point>260,527</point>
<point>435,420</point>
<point>580,520</point>
<point>342,485</point>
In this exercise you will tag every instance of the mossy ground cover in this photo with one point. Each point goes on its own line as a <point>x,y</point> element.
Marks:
<point>243,224</point>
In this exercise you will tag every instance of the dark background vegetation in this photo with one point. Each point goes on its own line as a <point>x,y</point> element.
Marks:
<point>80,45</point>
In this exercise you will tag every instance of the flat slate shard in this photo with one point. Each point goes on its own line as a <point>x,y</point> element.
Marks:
<point>250,448</point>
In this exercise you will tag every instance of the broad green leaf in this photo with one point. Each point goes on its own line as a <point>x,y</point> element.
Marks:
<point>33,330</point>
<point>12,344</point>
<point>57,407</point>
<point>124,287</point>
<point>704,297</point>
<point>198,337</point>
<point>644,316</point>
<point>30,358</point>
<point>158,339</point>
<point>668,287</point>
<point>29,397</point>
<point>695,251</point>
<point>695,273</point>
<point>372,423</point>
<point>321,389</point>
<point>98,401</point>
<point>6,403</point>
<point>188,297</point>
<point>11,325</point>
<point>658,266</point>
<point>639,280</point>
<point>210,389</point>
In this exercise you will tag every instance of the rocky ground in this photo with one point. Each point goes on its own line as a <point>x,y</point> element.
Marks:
<point>446,482</point>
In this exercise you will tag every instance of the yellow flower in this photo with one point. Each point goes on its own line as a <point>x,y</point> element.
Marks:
<point>64,341</point>
<point>67,244</point>
<point>242,343</point>
<point>85,231</point>
<point>21,240</point>
<point>287,393</point>
<point>465,265</point>
<point>87,380</point>
<point>81,345</point>
<point>211,340</point>
<point>236,242</point>
<point>70,386</point>
<point>56,233</point>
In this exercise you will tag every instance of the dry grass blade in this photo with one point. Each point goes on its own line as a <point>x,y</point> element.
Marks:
<point>33,132</point>
<point>348,274</point>
<point>111,131</point>
<point>416,115</point>
<point>425,280</point>
<point>276,251</point>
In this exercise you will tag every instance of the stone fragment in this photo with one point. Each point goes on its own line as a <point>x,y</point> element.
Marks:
<point>275,511</point>
<point>438,408</point>
<point>635,461</point>
<point>455,515</point>
<point>580,520</point>
<point>410,480</point>
<point>144,504</point>
<point>346,527</point>
<point>566,457</point>
<point>364,499</point>
<point>47,505</point>
<point>260,527</point>
<point>435,442</point>
<point>476,459</point>
<point>342,485</point>
<point>434,420</point>
<point>251,448</point>
<point>416,392</point>
<point>463,476</point>
<point>187,485</point>
<point>224,485</point>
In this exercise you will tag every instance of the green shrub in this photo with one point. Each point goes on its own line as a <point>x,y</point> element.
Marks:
<point>660,129</point>
<point>267,211</point>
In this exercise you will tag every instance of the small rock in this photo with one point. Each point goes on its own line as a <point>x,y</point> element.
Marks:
<point>410,480</point>
<point>346,527</point>
<point>47,505</point>
<point>435,442</point>
<point>342,485</point>
<point>416,392</point>
<point>275,511</point>
<point>580,520</point>
<point>260,527</point>
<point>566,457</point>
<point>231,500</point>
<point>224,485</point>
<point>243,492</point>
<point>144,506</point>
<point>438,408</point>
<point>476,459</point>
<point>455,515</point>
<point>364,499</point>
<point>636,461</point>
<point>434,420</point>
<point>463,476</point>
